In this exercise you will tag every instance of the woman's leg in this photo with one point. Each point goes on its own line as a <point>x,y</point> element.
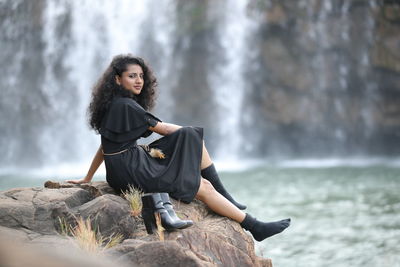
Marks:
<point>219,204</point>
<point>209,172</point>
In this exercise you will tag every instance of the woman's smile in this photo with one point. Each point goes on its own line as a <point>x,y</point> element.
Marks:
<point>132,79</point>
<point>138,87</point>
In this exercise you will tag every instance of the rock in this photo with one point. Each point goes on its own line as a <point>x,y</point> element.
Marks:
<point>60,252</point>
<point>111,215</point>
<point>38,209</point>
<point>32,216</point>
<point>169,253</point>
<point>276,15</point>
<point>283,69</point>
<point>325,69</point>
<point>218,241</point>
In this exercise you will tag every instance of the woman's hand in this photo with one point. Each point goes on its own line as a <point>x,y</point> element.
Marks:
<point>96,162</point>
<point>81,181</point>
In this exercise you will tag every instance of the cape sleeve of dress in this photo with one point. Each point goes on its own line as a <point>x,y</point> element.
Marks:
<point>126,120</point>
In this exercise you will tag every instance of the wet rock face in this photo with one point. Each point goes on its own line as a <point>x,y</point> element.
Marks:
<point>31,216</point>
<point>328,78</point>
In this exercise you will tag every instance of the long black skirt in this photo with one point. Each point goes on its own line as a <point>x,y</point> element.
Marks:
<point>177,174</point>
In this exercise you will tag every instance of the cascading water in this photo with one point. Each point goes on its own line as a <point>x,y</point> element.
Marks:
<point>264,78</point>
<point>333,72</point>
<point>228,81</point>
<point>77,41</point>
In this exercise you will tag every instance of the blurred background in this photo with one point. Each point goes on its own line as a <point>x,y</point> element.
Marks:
<point>300,101</point>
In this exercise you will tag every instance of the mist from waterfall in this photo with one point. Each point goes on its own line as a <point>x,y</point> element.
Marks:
<point>215,65</point>
<point>77,41</point>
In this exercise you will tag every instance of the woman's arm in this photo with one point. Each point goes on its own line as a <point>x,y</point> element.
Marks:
<point>96,162</point>
<point>164,128</point>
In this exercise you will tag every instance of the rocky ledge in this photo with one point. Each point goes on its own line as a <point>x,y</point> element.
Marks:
<point>30,226</point>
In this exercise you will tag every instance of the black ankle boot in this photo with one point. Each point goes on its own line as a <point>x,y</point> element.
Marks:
<point>153,203</point>
<point>168,206</point>
<point>262,230</point>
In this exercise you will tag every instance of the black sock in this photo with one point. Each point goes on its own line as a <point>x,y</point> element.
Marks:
<point>210,173</point>
<point>262,230</point>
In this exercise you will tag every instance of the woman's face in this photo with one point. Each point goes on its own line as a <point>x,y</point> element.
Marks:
<point>132,79</point>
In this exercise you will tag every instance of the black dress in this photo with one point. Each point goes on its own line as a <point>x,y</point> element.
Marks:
<point>178,173</point>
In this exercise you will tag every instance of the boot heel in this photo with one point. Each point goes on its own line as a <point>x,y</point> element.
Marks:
<point>149,221</point>
<point>148,213</point>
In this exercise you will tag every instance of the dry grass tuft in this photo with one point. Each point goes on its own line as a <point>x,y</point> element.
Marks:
<point>87,238</point>
<point>160,229</point>
<point>113,240</point>
<point>134,197</point>
<point>65,228</point>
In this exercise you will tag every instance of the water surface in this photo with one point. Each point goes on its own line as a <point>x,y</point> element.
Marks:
<point>341,216</point>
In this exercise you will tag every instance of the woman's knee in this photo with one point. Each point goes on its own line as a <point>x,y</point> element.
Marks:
<point>205,189</point>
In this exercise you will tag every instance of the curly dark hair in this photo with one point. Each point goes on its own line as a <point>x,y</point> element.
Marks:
<point>106,88</point>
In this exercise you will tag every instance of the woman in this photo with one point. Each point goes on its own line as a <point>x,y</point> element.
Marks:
<point>118,111</point>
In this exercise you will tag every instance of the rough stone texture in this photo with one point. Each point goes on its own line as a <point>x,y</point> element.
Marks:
<point>110,213</point>
<point>169,253</point>
<point>45,250</point>
<point>31,216</point>
<point>328,78</point>
<point>37,209</point>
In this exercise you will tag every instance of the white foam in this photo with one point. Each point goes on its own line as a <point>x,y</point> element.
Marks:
<point>67,171</point>
<point>246,164</point>
<point>238,165</point>
<point>77,170</point>
<point>339,162</point>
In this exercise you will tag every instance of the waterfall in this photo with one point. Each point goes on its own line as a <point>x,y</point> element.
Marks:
<point>77,41</point>
<point>265,79</point>
<point>334,73</point>
<point>229,82</point>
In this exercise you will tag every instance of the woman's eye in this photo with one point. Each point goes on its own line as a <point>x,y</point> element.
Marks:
<point>135,75</point>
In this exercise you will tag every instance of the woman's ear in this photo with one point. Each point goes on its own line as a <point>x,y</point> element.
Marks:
<point>118,79</point>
